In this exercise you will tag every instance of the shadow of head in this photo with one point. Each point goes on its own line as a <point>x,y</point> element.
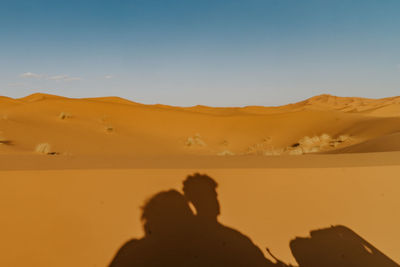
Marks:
<point>200,190</point>
<point>166,213</point>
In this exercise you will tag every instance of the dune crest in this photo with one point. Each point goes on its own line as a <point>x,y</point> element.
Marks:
<point>83,126</point>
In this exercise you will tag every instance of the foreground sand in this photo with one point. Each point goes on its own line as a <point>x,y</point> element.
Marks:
<point>81,217</point>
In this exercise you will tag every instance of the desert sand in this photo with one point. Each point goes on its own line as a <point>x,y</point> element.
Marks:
<point>50,124</point>
<point>74,173</point>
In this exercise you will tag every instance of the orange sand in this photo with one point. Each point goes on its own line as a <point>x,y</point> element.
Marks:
<point>81,217</point>
<point>76,200</point>
<point>114,126</point>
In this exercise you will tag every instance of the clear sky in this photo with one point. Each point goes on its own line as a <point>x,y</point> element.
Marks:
<point>211,52</point>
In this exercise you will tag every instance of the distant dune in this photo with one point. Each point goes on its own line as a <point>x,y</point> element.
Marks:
<point>116,126</point>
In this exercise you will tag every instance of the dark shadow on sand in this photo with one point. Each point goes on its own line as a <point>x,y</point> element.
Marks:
<point>337,246</point>
<point>175,236</point>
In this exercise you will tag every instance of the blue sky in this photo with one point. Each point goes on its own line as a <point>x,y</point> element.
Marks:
<point>211,52</point>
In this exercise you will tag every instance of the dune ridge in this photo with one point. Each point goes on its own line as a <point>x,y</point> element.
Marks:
<point>116,126</point>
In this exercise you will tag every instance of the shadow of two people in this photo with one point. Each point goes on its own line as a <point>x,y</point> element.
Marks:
<point>175,236</point>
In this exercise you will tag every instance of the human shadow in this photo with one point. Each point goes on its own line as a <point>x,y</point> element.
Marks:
<point>219,244</point>
<point>169,231</point>
<point>337,246</point>
<point>175,236</point>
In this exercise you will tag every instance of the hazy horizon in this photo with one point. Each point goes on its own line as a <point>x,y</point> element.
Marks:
<point>214,53</point>
<point>213,106</point>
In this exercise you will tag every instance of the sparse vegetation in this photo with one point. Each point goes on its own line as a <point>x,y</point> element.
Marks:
<point>304,146</point>
<point>316,143</point>
<point>195,141</point>
<point>226,153</point>
<point>45,148</point>
<point>64,115</point>
<point>5,141</point>
<point>260,148</point>
<point>343,138</point>
<point>109,129</point>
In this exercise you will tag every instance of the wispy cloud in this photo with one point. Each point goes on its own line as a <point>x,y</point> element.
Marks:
<point>108,77</point>
<point>62,77</point>
<point>65,78</point>
<point>31,75</point>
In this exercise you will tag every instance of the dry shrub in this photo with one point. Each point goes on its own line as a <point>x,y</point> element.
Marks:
<point>4,141</point>
<point>273,152</point>
<point>343,138</point>
<point>226,153</point>
<point>305,145</point>
<point>316,143</point>
<point>64,115</point>
<point>44,148</point>
<point>296,151</point>
<point>312,149</point>
<point>261,147</point>
<point>195,140</point>
<point>325,138</point>
<point>305,141</point>
<point>109,129</point>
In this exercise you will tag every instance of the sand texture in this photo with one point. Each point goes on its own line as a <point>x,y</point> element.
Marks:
<point>47,124</point>
<point>82,217</point>
<point>75,175</point>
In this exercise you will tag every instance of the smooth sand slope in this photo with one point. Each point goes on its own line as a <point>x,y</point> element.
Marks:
<point>82,217</point>
<point>46,124</point>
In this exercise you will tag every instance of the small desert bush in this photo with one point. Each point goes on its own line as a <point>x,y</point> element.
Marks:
<point>261,147</point>
<point>343,138</point>
<point>316,143</point>
<point>305,141</point>
<point>4,141</point>
<point>325,138</point>
<point>64,115</point>
<point>195,140</point>
<point>43,148</point>
<point>109,129</point>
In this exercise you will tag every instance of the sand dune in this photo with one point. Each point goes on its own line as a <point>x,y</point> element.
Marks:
<point>112,125</point>
<point>75,172</point>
